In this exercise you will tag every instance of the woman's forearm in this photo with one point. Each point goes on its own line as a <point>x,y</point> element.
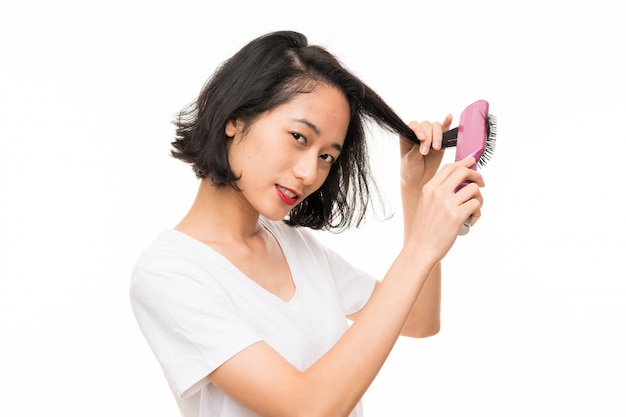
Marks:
<point>425,317</point>
<point>346,371</point>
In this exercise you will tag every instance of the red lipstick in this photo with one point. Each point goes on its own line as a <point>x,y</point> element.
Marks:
<point>283,194</point>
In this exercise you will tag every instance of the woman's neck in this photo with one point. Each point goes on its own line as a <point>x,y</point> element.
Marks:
<point>218,215</point>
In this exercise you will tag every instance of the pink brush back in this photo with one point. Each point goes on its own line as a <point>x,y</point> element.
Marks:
<point>472,135</point>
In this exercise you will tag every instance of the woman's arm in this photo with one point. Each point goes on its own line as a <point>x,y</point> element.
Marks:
<point>263,381</point>
<point>418,165</point>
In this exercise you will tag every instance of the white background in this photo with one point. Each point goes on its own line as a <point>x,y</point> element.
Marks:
<point>534,304</point>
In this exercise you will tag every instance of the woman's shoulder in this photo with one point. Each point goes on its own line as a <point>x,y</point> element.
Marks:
<point>174,254</point>
<point>171,244</point>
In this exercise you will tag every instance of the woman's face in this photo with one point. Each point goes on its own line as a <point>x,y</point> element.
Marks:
<point>286,153</point>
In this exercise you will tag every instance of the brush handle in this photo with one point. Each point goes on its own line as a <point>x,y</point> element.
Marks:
<point>465,227</point>
<point>449,138</point>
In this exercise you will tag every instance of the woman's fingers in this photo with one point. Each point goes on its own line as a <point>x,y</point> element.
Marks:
<point>430,134</point>
<point>438,129</point>
<point>458,187</point>
<point>470,201</point>
<point>454,174</point>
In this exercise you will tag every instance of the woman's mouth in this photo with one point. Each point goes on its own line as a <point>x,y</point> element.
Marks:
<point>287,195</point>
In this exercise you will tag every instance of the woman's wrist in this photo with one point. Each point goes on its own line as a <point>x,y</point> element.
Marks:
<point>422,255</point>
<point>410,191</point>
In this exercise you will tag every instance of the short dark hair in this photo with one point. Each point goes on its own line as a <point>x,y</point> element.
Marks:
<point>267,72</point>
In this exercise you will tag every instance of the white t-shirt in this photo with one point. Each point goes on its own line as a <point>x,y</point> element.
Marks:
<point>197,310</point>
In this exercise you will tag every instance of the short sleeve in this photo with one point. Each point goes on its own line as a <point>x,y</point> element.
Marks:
<point>186,317</point>
<point>354,286</point>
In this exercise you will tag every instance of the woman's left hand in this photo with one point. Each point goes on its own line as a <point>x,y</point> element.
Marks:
<point>420,162</point>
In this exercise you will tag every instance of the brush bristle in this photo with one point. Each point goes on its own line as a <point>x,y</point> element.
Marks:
<point>490,145</point>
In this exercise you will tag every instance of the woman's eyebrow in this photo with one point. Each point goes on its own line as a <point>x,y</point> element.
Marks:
<point>309,124</point>
<point>316,129</point>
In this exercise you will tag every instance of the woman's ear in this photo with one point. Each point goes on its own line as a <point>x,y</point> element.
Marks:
<point>231,128</point>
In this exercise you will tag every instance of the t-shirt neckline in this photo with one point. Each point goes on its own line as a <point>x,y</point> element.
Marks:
<point>291,262</point>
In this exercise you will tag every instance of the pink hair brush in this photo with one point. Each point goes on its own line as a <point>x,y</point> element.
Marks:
<point>475,136</point>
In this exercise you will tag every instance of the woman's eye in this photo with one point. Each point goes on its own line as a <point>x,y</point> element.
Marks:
<point>328,158</point>
<point>298,137</point>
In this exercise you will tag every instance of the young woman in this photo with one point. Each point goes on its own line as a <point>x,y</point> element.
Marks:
<point>243,308</point>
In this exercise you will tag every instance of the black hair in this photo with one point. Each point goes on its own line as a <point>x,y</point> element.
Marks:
<point>265,73</point>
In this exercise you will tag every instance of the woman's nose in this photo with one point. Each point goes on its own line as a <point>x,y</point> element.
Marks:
<point>306,168</point>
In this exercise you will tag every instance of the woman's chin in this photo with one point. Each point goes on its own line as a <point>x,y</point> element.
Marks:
<point>275,216</point>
